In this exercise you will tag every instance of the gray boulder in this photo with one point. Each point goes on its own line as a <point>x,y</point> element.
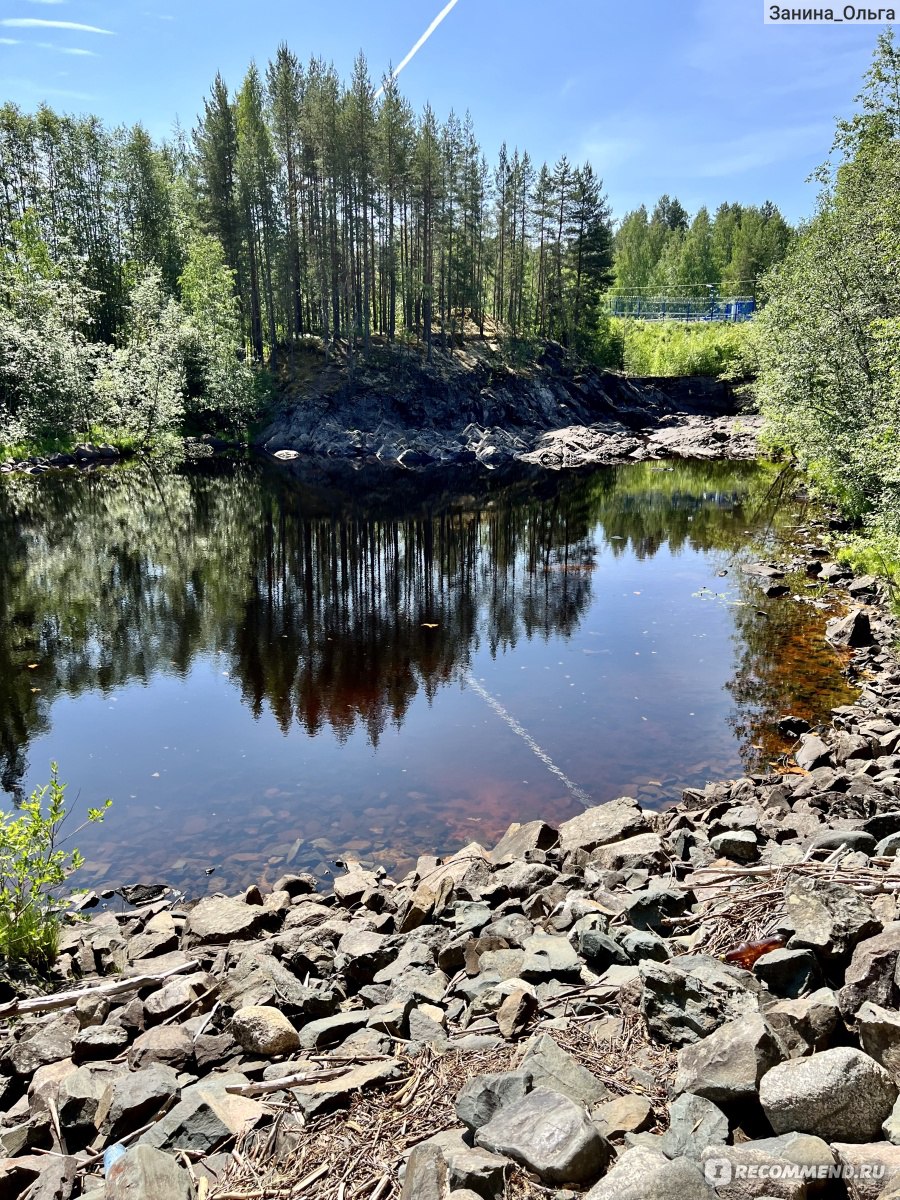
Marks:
<point>727,1066</point>
<point>145,1173</point>
<point>324,1096</point>
<point>805,1024</point>
<point>644,850</point>
<point>650,909</point>
<point>132,1098</point>
<point>603,824</point>
<point>788,973</point>
<point>872,972</point>
<point>99,1042</point>
<point>217,920</point>
<point>879,1036</point>
<point>742,845</point>
<point>484,1096</point>
<point>520,842</point>
<point>265,1030</point>
<point>694,1124</point>
<point>206,1115</point>
<point>630,1113</point>
<point>840,1095</point>
<point>548,1134</point>
<point>362,953</point>
<point>257,977</point>
<point>641,943</point>
<point>686,999</point>
<point>427,1175</point>
<point>169,1045</point>
<point>328,1031</point>
<point>79,1099</point>
<point>873,1170</point>
<point>551,1067</point>
<point>470,1167</point>
<point>847,839</point>
<point>732,1168</point>
<point>548,956</point>
<point>828,918</point>
<point>645,1174</point>
<point>891,1127</point>
<point>853,630</point>
<point>812,752</point>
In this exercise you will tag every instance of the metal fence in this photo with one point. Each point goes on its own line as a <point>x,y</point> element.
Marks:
<point>644,307</point>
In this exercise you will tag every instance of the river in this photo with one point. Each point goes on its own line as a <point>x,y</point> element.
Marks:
<point>272,669</point>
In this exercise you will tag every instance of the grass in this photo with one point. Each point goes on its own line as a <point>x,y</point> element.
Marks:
<point>875,554</point>
<point>670,348</point>
<point>47,444</point>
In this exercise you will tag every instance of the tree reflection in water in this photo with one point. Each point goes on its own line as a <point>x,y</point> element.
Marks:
<point>334,601</point>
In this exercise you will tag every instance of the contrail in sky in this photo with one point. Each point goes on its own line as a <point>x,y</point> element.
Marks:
<point>445,11</point>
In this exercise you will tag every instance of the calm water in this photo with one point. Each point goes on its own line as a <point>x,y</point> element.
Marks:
<point>262,668</point>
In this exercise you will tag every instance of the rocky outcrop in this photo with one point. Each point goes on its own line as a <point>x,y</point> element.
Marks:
<point>472,408</point>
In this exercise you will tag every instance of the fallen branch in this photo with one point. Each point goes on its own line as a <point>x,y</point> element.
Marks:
<point>16,1008</point>
<point>288,1081</point>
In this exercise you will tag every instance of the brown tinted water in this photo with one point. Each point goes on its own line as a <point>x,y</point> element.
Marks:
<point>267,668</point>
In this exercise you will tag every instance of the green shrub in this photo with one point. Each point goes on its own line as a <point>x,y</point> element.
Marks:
<point>33,866</point>
<point>682,348</point>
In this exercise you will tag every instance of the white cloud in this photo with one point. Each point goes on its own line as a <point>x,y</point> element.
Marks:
<point>10,42</point>
<point>39,23</point>
<point>74,50</point>
<point>647,154</point>
<point>760,149</point>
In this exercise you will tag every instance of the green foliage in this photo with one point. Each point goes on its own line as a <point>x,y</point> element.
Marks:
<point>225,386</point>
<point>679,348</point>
<point>33,866</point>
<point>608,350</point>
<point>170,361</point>
<point>46,361</point>
<point>731,251</point>
<point>98,229</point>
<point>46,444</point>
<point>140,385</point>
<point>827,341</point>
<point>875,554</point>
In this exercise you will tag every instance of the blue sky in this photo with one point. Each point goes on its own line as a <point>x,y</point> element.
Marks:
<point>698,98</point>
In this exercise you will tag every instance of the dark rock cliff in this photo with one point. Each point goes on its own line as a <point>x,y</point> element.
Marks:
<point>396,408</point>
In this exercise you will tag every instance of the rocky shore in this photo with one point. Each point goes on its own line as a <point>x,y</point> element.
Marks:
<point>683,1005</point>
<point>474,408</point>
<point>89,456</point>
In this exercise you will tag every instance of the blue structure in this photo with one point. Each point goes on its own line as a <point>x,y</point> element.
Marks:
<point>711,307</point>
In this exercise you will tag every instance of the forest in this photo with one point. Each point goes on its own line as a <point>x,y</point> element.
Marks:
<point>149,289</point>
